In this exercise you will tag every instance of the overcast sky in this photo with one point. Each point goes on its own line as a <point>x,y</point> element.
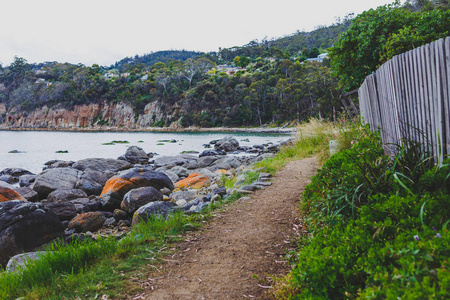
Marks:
<point>105,31</point>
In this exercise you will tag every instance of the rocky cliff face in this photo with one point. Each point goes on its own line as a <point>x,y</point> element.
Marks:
<point>95,116</point>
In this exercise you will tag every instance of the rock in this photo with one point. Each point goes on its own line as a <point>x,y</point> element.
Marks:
<point>221,191</point>
<point>116,187</point>
<point>207,172</point>
<point>59,164</point>
<point>25,226</point>
<point>26,180</point>
<point>195,180</point>
<point>102,164</point>
<point>110,222</point>
<point>202,205</point>
<point>165,191</point>
<point>119,214</point>
<point>53,179</point>
<point>202,162</point>
<point>188,195</point>
<point>190,204</point>
<point>287,142</point>
<point>227,144</point>
<point>4,184</point>
<point>27,193</point>
<point>212,153</point>
<point>225,163</point>
<point>157,208</point>
<point>92,182</point>
<point>262,183</point>
<point>90,221</point>
<point>15,172</point>
<point>85,205</point>
<point>250,188</point>
<point>7,194</point>
<point>139,197</point>
<point>215,198</point>
<point>20,260</point>
<point>180,171</point>
<point>178,160</point>
<point>264,176</point>
<point>64,210</point>
<point>8,179</point>
<point>174,177</point>
<point>65,195</point>
<point>136,155</point>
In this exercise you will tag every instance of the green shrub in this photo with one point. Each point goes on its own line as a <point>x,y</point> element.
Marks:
<point>378,225</point>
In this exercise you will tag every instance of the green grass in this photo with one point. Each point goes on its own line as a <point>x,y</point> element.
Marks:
<point>312,140</point>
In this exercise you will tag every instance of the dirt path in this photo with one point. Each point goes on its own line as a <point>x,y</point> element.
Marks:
<point>237,254</point>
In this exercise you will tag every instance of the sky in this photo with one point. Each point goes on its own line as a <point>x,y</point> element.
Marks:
<point>105,31</point>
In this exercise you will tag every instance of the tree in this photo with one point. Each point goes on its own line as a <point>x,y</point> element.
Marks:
<point>357,51</point>
<point>241,61</point>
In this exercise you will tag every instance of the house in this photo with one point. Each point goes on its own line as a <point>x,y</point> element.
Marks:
<point>110,75</point>
<point>319,58</point>
<point>230,70</point>
<point>42,81</point>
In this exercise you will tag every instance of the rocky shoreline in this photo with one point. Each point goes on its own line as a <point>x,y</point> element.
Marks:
<point>79,200</point>
<point>274,130</point>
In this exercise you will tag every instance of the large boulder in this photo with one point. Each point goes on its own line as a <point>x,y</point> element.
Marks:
<point>225,163</point>
<point>102,164</point>
<point>180,171</point>
<point>202,162</point>
<point>15,172</point>
<point>65,195</point>
<point>27,193</point>
<point>8,179</point>
<point>25,226</point>
<point>20,260</point>
<point>7,194</point>
<point>90,221</point>
<point>92,182</point>
<point>64,210</point>
<point>227,144</point>
<point>135,155</point>
<point>177,160</point>
<point>26,180</point>
<point>53,179</point>
<point>211,152</point>
<point>117,186</point>
<point>157,208</point>
<point>139,197</point>
<point>195,180</point>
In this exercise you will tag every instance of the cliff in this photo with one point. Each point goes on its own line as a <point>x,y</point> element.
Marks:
<point>93,116</point>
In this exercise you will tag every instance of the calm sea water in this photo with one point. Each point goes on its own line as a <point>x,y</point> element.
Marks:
<point>39,147</point>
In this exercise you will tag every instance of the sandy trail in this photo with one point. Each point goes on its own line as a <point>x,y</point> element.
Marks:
<point>238,253</point>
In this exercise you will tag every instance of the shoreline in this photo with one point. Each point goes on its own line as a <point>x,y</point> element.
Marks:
<point>162,129</point>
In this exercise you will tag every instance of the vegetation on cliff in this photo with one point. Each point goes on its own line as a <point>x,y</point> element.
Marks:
<point>259,83</point>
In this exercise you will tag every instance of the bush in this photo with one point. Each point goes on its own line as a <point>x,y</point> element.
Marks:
<point>378,225</point>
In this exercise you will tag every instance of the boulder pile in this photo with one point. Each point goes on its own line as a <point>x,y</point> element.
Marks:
<point>72,200</point>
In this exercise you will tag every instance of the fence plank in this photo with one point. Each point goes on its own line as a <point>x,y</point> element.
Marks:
<point>408,97</point>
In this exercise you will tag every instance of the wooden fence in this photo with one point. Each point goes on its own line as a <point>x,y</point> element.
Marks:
<point>408,98</point>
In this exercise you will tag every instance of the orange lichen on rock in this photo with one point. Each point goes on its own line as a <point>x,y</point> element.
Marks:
<point>90,221</point>
<point>115,184</point>
<point>7,194</point>
<point>195,180</point>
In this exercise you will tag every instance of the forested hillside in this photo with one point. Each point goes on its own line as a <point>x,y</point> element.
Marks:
<point>259,83</point>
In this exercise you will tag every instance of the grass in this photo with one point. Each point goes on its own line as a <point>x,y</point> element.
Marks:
<point>115,268</point>
<point>312,139</point>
